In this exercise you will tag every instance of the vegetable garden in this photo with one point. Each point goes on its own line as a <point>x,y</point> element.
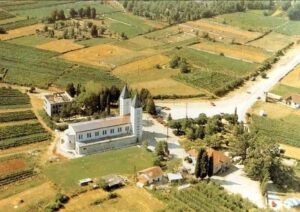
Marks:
<point>11,98</point>
<point>17,116</point>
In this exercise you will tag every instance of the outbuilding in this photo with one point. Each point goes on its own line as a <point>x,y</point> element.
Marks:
<point>84,182</point>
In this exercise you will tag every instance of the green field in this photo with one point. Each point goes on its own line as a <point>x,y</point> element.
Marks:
<point>17,116</point>
<point>34,67</point>
<point>19,23</point>
<point>31,40</point>
<point>95,41</point>
<point>204,197</point>
<point>22,5</point>
<point>67,173</point>
<point>256,21</point>
<point>11,98</point>
<point>283,130</point>
<point>282,90</point>
<point>5,15</point>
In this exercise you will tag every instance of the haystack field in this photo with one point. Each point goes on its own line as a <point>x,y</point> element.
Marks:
<point>95,55</point>
<point>246,53</point>
<point>20,32</point>
<point>293,78</point>
<point>60,46</point>
<point>220,31</point>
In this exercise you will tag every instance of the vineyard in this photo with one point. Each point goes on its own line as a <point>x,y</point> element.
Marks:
<point>17,135</point>
<point>14,168</point>
<point>205,197</point>
<point>17,116</point>
<point>11,98</point>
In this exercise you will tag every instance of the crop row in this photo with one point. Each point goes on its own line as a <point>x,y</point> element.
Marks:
<point>14,142</point>
<point>17,116</point>
<point>16,176</point>
<point>20,130</point>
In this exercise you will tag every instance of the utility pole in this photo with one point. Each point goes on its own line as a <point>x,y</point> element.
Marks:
<point>186,113</point>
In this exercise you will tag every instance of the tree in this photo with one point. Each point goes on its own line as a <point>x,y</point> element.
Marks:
<point>2,30</point>
<point>213,141</point>
<point>177,125</point>
<point>61,15</point>
<point>108,104</point>
<point>294,12</point>
<point>78,89</point>
<point>94,31</point>
<point>202,119</point>
<point>210,166</point>
<point>161,149</point>
<point>184,68</point>
<point>150,108</point>
<point>88,11</point>
<point>200,132</point>
<point>174,62</point>
<point>124,36</point>
<point>169,117</point>
<point>71,89</point>
<point>201,164</point>
<point>93,13</point>
<point>81,13</point>
<point>190,134</point>
<point>72,13</point>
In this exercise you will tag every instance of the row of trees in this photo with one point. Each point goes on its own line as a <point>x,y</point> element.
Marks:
<point>181,11</point>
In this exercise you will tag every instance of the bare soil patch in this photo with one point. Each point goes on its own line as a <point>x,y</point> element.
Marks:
<point>13,165</point>
<point>19,32</point>
<point>95,55</point>
<point>60,46</point>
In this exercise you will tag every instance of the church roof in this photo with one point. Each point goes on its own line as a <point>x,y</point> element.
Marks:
<point>136,102</point>
<point>125,93</point>
<point>100,123</point>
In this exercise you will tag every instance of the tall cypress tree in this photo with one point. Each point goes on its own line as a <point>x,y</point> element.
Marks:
<point>210,166</point>
<point>201,164</point>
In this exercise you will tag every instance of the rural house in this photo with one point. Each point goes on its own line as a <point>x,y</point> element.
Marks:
<point>220,160</point>
<point>53,103</point>
<point>149,176</point>
<point>109,133</point>
<point>292,100</point>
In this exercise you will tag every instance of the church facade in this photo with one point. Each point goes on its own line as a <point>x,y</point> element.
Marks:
<point>108,133</point>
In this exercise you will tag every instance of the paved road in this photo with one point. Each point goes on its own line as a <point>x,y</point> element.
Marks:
<point>242,99</point>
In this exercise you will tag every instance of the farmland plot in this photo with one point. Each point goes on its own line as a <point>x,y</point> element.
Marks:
<point>292,79</point>
<point>5,15</point>
<point>60,46</point>
<point>31,40</point>
<point>11,98</point>
<point>17,116</point>
<point>219,31</point>
<point>23,31</point>
<point>246,53</point>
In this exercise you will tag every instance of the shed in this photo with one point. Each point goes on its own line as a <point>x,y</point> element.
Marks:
<point>176,177</point>
<point>113,181</point>
<point>85,181</point>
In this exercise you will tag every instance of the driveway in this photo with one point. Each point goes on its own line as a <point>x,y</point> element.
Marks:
<point>153,131</point>
<point>242,99</point>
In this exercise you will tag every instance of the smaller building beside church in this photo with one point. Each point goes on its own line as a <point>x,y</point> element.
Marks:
<point>109,133</point>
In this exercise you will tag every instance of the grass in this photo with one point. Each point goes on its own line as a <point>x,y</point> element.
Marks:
<point>5,15</point>
<point>31,40</point>
<point>255,20</point>
<point>284,130</point>
<point>67,173</point>
<point>12,98</point>
<point>282,90</point>
<point>34,67</point>
<point>95,41</point>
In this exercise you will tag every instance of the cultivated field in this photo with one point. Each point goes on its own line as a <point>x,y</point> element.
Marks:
<point>219,31</point>
<point>292,79</point>
<point>5,15</point>
<point>11,98</point>
<point>20,32</point>
<point>121,161</point>
<point>241,52</point>
<point>95,55</point>
<point>283,89</point>
<point>272,42</point>
<point>31,40</point>
<point>60,46</point>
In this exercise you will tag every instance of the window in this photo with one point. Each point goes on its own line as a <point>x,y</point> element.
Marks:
<point>112,131</point>
<point>80,137</point>
<point>127,128</point>
<point>104,132</point>
<point>96,133</point>
<point>119,129</point>
<point>88,135</point>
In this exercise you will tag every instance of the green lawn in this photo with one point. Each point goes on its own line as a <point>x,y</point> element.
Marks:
<point>31,40</point>
<point>67,173</point>
<point>283,90</point>
<point>283,130</point>
<point>255,20</point>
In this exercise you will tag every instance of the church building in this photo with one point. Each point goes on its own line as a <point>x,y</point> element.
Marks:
<point>109,133</point>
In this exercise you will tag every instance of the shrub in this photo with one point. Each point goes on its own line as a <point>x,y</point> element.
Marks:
<point>113,195</point>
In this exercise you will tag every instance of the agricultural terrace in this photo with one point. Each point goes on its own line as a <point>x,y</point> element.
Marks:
<point>5,15</point>
<point>41,68</point>
<point>22,5</point>
<point>17,116</point>
<point>60,46</point>
<point>219,31</point>
<point>15,167</point>
<point>30,40</point>
<point>272,42</point>
<point>11,98</point>
<point>212,72</point>
<point>20,32</point>
<point>123,161</point>
<point>257,21</point>
<point>241,52</point>
<point>203,197</point>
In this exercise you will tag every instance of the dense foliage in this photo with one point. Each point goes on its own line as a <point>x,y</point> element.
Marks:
<point>180,11</point>
<point>294,12</point>
<point>17,116</point>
